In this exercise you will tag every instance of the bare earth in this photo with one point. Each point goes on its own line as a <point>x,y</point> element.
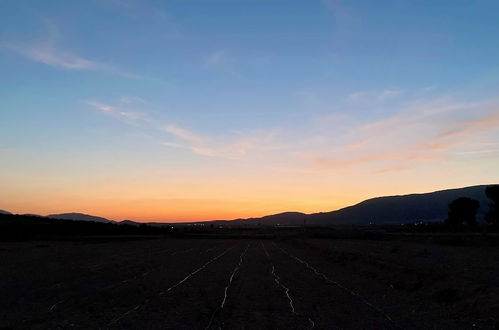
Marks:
<point>247,284</point>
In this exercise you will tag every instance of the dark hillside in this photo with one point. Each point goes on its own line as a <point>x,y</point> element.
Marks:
<point>78,217</point>
<point>426,207</point>
<point>13,227</point>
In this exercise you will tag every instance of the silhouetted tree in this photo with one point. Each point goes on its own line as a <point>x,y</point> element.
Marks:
<point>462,211</point>
<point>492,216</point>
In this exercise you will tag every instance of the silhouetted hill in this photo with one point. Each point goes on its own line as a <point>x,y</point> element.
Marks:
<point>128,222</point>
<point>78,217</point>
<point>285,218</point>
<point>4,212</point>
<point>427,207</point>
<point>13,227</point>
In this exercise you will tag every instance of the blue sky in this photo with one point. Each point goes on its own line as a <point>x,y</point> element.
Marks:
<point>267,104</point>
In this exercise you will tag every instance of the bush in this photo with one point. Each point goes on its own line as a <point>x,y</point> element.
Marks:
<point>492,216</point>
<point>462,211</point>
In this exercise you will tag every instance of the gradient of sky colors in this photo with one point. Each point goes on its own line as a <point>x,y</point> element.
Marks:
<point>210,109</point>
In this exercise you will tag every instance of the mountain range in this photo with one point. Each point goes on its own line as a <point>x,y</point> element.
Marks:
<point>78,217</point>
<point>426,207</point>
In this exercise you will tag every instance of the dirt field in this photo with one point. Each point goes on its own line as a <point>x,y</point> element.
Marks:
<point>247,284</point>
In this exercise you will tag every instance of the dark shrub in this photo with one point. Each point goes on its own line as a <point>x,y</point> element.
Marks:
<point>492,216</point>
<point>462,211</point>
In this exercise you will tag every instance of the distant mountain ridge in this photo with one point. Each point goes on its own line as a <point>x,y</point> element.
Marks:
<point>285,218</point>
<point>65,216</point>
<point>427,207</point>
<point>78,217</point>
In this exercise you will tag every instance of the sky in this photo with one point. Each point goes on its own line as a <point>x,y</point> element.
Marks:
<point>208,109</point>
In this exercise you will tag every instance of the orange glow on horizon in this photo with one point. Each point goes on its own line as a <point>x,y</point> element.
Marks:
<point>199,209</point>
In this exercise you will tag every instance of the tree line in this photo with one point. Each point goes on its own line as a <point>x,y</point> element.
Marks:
<point>462,211</point>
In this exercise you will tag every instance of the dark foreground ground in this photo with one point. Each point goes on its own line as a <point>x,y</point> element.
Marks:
<point>171,283</point>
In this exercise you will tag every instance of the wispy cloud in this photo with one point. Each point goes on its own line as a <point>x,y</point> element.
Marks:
<point>216,59</point>
<point>354,145</point>
<point>48,50</point>
<point>131,99</point>
<point>346,22</point>
<point>479,152</point>
<point>198,150</point>
<point>309,98</point>
<point>418,134</point>
<point>220,60</point>
<point>324,162</point>
<point>118,112</point>
<point>231,145</point>
<point>185,139</point>
<point>48,53</point>
<point>471,126</point>
<point>141,8</point>
<point>376,96</point>
<point>393,170</point>
<point>102,107</point>
<point>413,136</point>
<point>235,64</point>
<point>183,133</point>
<point>45,50</point>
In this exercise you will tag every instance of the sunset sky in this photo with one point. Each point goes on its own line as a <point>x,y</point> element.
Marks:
<point>206,109</point>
